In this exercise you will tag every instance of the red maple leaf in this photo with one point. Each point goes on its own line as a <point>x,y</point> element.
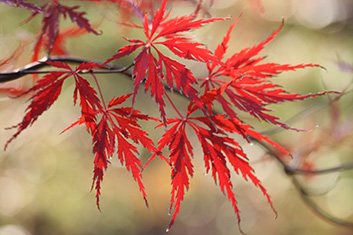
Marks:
<point>251,90</point>
<point>180,159</point>
<point>218,148</point>
<point>115,128</point>
<point>149,68</point>
<point>50,29</point>
<point>48,89</point>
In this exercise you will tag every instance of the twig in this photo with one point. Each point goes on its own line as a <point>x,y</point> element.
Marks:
<point>300,171</point>
<point>34,67</point>
<point>317,209</point>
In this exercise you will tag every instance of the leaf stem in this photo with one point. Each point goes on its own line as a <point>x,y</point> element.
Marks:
<point>171,102</point>
<point>99,90</point>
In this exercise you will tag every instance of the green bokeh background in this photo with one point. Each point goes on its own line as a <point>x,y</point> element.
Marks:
<point>45,177</point>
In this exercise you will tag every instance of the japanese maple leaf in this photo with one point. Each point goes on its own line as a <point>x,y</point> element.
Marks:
<point>180,158</point>
<point>251,91</point>
<point>113,131</point>
<point>116,126</point>
<point>218,148</point>
<point>50,29</point>
<point>48,89</point>
<point>149,67</point>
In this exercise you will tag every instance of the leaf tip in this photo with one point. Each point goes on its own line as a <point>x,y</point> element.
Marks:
<point>146,202</point>
<point>170,225</point>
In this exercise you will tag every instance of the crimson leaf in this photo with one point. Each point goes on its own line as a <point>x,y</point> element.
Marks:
<point>115,128</point>
<point>218,149</point>
<point>48,89</point>
<point>150,69</point>
<point>251,91</point>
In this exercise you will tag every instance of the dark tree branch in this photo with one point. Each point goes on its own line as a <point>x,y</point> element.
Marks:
<point>34,67</point>
<point>304,194</point>
<point>300,171</point>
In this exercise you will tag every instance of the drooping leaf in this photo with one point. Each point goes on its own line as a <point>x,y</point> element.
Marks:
<point>47,91</point>
<point>251,90</point>
<point>180,159</point>
<point>218,148</point>
<point>77,18</point>
<point>116,127</point>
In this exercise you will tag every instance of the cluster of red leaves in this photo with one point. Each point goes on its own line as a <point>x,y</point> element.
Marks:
<point>250,90</point>
<point>109,125</point>
<point>218,148</point>
<point>247,88</point>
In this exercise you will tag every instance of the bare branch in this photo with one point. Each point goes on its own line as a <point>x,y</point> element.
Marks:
<point>316,208</point>
<point>34,67</point>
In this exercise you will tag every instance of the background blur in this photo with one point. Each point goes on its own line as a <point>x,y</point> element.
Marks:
<point>45,177</point>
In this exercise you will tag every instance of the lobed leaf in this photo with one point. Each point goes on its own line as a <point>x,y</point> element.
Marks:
<point>149,69</point>
<point>46,92</point>
<point>250,90</point>
<point>180,159</point>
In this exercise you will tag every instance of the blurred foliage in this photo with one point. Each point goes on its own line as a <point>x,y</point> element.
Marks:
<point>45,177</point>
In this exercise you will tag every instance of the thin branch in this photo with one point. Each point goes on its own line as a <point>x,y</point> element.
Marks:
<point>99,90</point>
<point>317,209</point>
<point>305,195</point>
<point>34,67</point>
<point>343,167</point>
<point>292,170</point>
